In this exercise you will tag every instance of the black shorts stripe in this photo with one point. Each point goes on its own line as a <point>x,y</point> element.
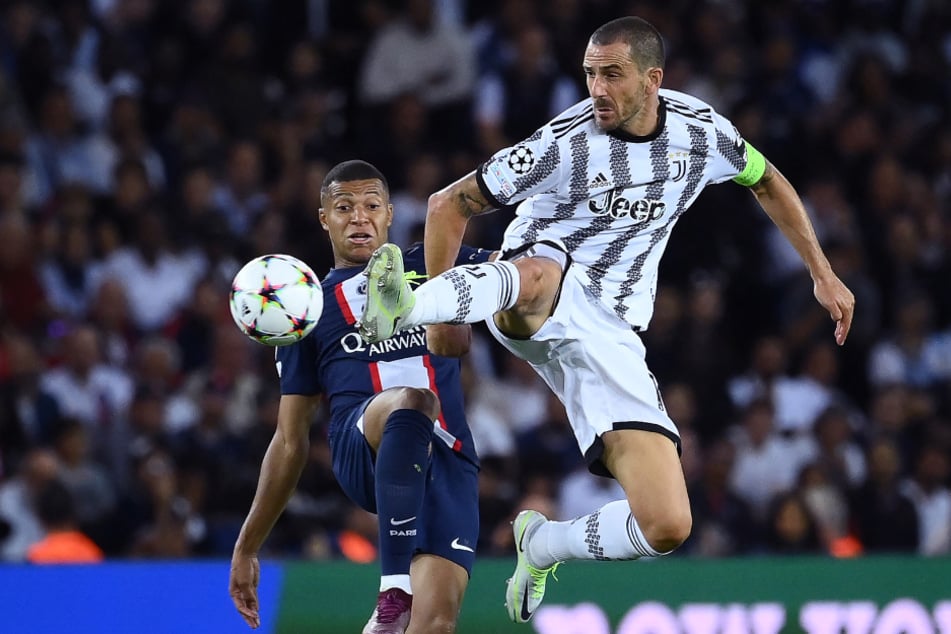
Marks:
<point>593,455</point>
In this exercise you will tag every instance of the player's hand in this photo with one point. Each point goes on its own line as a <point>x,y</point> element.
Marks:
<point>447,340</point>
<point>243,586</point>
<point>836,298</point>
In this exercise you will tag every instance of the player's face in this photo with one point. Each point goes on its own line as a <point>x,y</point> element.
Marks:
<point>357,215</point>
<point>618,88</point>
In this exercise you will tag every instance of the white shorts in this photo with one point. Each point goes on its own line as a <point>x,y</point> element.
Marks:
<point>594,362</point>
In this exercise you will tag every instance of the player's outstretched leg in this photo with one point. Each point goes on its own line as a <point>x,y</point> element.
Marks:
<point>389,296</point>
<point>526,587</point>
<point>462,295</point>
<point>391,616</point>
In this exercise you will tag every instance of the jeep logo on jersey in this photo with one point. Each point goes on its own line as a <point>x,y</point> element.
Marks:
<point>640,210</point>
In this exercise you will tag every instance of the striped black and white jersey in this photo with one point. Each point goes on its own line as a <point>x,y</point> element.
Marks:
<point>611,198</point>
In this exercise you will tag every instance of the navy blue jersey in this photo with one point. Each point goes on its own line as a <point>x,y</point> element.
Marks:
<point>334,359</point>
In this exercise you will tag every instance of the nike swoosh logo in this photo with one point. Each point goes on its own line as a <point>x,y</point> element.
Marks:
<point>396,522</point>
<point>455,544</point>
<point>526,613</point>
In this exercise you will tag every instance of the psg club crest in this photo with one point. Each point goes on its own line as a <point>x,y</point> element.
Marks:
<point>521,160</point>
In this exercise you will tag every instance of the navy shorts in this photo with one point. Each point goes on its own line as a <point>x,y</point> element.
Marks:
<point>449,522</point>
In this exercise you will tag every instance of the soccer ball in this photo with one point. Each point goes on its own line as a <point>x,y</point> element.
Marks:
<point>276,299</point>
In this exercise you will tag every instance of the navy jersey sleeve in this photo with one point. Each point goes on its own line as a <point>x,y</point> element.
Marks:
<point>467,254</point>
<point>297,367</point>
<point>471,255</point>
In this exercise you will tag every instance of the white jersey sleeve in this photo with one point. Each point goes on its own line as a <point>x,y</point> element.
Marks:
<point>534,166</point>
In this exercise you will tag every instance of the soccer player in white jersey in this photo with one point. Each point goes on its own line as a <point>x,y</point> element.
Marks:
<point>599,190</point>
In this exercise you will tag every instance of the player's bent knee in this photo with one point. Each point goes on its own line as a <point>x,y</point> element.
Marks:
<point>539,279</point>
<point>420,399</point>
<point>668,532</point>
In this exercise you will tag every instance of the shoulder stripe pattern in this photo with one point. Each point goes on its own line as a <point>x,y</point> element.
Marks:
<point>660,170</point>
<point>704,114</point>
<point>577,188</point>
<point>699,148</point>
<point>562,126</point>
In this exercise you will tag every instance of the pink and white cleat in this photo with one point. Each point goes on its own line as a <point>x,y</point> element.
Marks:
<point>392,612</point>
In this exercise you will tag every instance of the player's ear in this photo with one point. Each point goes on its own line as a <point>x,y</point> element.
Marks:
<point>322,216</point>
<point>654,78</point>
<point>389,211</point>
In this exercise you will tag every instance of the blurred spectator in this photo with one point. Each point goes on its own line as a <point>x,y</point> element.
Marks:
<point>240,198</point>
<point>110,314</point>
<point>791,528</point>
<point>208,456</point>
<point>581,492</point>
<point>834,451</point>
<point>57,152</point>
<point>64,541</point>
<point>18,497</point>
<point>765,464</point>
<point>71,278</point>
<point>927,488</point>
<point>154,520</point>
<point>828,504</point>
<point>883,518</point>
<point>94,393</point>
<point>415,54</point>
<point>28,410</point>
<point>158,371</point>
<point>723,523</point>
<point>22,297</point>
<point>123,139</point>
<point>230,373</point>
<point>92,489</point>
<point>157,281</point>
<point>549,448</point>
<point>915,355</point>
<point>424,175</point>
<point>512,102</point>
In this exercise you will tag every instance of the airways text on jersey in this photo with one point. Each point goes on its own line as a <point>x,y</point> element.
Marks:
<point>353,343</point>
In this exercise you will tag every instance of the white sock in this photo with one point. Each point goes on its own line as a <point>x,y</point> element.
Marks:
<point>395,581</point>
<point>465,295</point>
<point>610,533</point>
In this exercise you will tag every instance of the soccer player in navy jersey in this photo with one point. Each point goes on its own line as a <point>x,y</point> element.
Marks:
<point>399,441</point>
<point>599,190</point>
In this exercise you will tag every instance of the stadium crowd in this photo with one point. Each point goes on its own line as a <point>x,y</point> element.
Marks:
<point>148,149</point>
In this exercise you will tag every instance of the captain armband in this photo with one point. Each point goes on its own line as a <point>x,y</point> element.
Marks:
<point>755,167</point>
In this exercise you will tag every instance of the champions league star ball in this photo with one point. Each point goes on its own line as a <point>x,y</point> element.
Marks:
<point>276,299</point>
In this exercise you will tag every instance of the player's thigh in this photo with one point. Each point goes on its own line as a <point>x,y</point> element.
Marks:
<point>540,279</point>
<point>388,401</point>
<point>647,466</point>
<point>438,588</point>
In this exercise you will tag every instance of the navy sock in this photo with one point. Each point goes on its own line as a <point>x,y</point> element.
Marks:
<point>402,461</point>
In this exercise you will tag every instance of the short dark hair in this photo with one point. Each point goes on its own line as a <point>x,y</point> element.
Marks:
<point>645,42</point>
<point>352,171</point>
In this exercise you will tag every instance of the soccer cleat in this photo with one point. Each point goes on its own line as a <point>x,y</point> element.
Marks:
<point>392,613</point>
<point>526,589</point>
<point>389,296</point>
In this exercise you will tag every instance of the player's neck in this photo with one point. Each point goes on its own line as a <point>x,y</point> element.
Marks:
<point>645,122</point>
<point>646,125</point>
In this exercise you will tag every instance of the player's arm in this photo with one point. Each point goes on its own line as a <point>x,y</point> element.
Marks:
<point>280,471</point>
<point>784,207</point>
<point>447,215</point>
